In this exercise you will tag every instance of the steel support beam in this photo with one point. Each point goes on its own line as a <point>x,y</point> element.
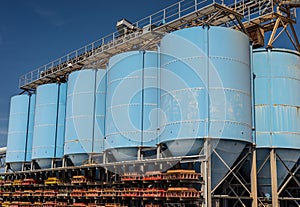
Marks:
<point>231,171</point>
<point>276,26</point>
<point>296,40</point>
<point>206,170</point>
<point>273,171</point>
<point>254,178</point>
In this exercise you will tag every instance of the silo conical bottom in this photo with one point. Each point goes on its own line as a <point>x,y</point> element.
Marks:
<point>229,151</point>
<point>124,154</point>
<point>79,159</point>
<point>44,163</point>
<point>289,157</point>
<point>16,166</point>
<point>184,147</point>
<point>97,158</point>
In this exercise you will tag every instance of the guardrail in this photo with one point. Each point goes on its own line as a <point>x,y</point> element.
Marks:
<point>164,16</point>
<point>249,9</point>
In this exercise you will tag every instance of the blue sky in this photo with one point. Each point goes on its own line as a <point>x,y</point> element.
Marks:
<point>35,32</point>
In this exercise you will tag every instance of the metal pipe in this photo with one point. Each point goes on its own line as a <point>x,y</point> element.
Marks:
<point>56,121</point>
<point>27,128</point>
<point>158,92</point>
<point>94,110</point>
<point>207,146</point>
<point>143,97</point>
<point>105,104</point>
<point>253,172</point>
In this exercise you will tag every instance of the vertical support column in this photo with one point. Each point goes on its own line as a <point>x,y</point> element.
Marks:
<point>53,162</point>
<point>6,168</point>
<point>253,173</point>
<point>254,177</point>
<point>139,153</point>
<point>217,203</point>
<point>104,157</point>
<point>158,151</point>
<point>32,165</point>
<point>106,175</point>
<point>91,158</point>
<point>273,169</point>
<point>64,163</point>
<point>206,171</point>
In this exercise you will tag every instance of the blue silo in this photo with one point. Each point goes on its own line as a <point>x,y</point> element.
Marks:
<point>30,128</point>
<point>131,115</point>
<point>205,92</point>
<point>277,112</point>
<point>19,140</point>
<point>49,123</point>
<point>85,114</point>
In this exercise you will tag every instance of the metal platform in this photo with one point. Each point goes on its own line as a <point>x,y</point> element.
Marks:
<point>242,15</point>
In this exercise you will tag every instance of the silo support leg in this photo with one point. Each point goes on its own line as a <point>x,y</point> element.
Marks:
<point>32,165</point>
<point>53,163</point>
<point>158,151</point>
<point>273,172</point>
<point>104,157</point>
<point>6,168</point>
<point>64,162</point>
<point>254,179</point>
<point>206,171</point>
<point>139,153</point>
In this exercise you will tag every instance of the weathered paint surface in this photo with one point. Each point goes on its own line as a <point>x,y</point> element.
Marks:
<point>49,124</point>
<point>277,102</point>
<point>85,114</point>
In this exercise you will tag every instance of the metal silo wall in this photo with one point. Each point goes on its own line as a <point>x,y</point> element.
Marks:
<point>85,114</point>
<point>49,125</point>
<point>19,138</point>
<point>131,120</point>
<point>205,84</point>
<point>277,103</point>
<point>30,128</point>
<point>99,128</point>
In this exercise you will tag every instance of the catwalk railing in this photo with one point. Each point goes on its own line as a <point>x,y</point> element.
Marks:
<point>152,27</point>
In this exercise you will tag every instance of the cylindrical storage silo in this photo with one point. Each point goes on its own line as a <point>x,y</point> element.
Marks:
<point>205,93</point>
<point>49,123</point>
<point>19,140</point>
<point>277,112</point>
<point>131,118</point>
<point>30,128</point>
<point>85,114</point>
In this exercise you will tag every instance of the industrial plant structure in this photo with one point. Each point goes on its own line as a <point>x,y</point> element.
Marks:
<point>186,107</point>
